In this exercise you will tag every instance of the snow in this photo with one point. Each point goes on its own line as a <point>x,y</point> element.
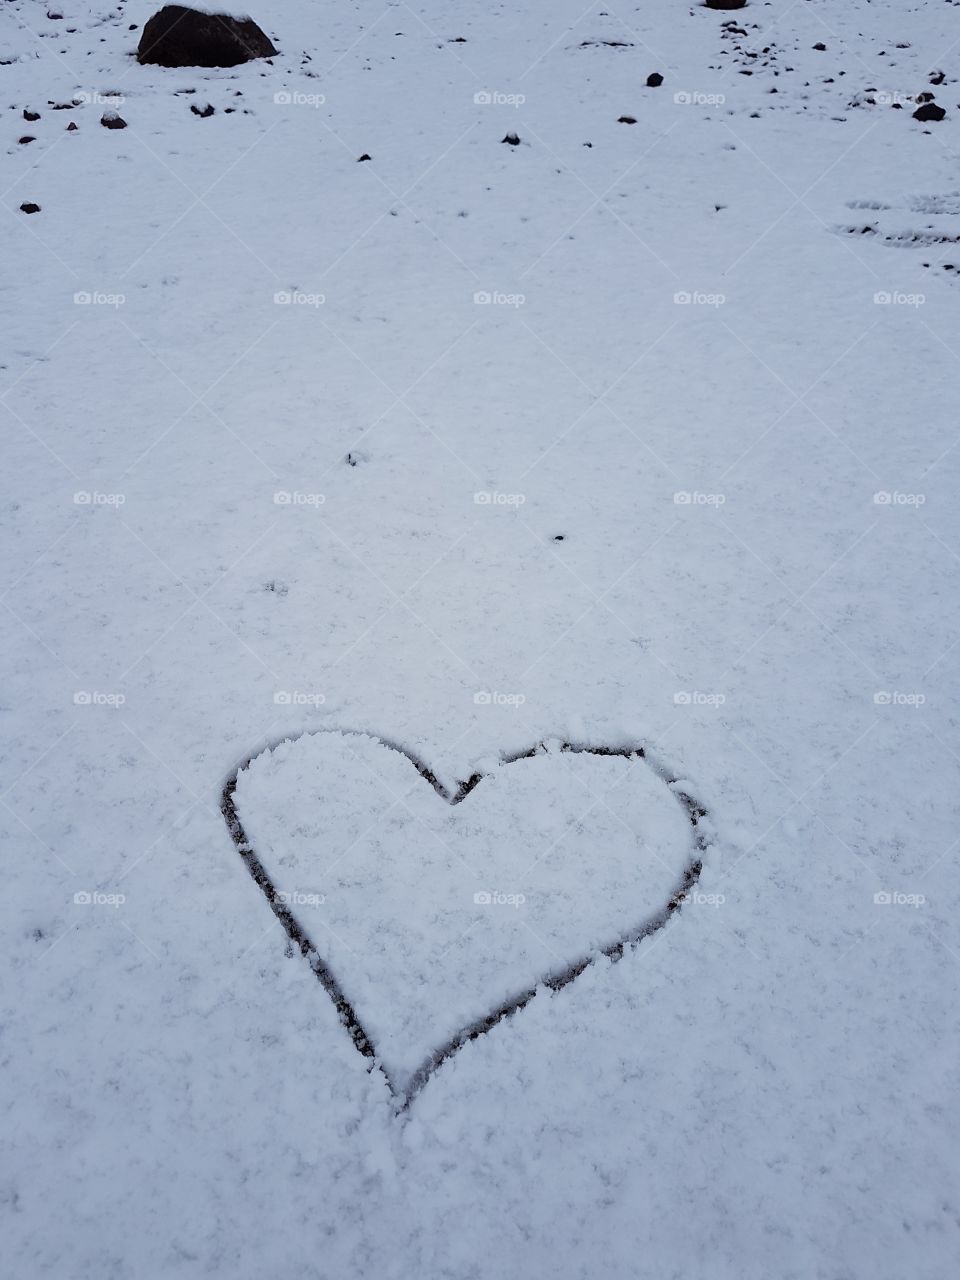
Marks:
<point>434,919</point>
<point>722,527</point>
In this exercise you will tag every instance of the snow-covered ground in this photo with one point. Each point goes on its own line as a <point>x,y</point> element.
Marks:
<point>630,433</point>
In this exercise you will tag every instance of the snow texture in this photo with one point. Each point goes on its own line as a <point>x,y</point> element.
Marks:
<point>625,434</point>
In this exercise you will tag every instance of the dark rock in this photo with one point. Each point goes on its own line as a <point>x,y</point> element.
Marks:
<point>203,112</point>
<point>180,37</point>
<point>925,97</point>
<point>25,139</point>
<point>929,111</point>
<point>820,47</point>
<point>725,4</point>
<point>626,120</point>
<point>30,115</point>
<point>110,120</point>
<point>937,77</point>
<point>72,127</point>
<point>360,159</point>
<point>512,139</point>
<point>654,80</point>
<point>27,207</point>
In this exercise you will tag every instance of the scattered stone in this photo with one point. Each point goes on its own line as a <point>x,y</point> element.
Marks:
<point>558,537</point>
<point>54,16</point>
<point>111,120</point>
<point>654,80</point>
<point>937,77</point>
<point>28,207</point>
<point>925,97</point>
<point>725,4</point>
<point>72,127</point>
<point>30,115</point>
<point>177,36</point>
<point>820,47</point>
<point>511,139</point>
<point>365,156</point>
<point>25,139</point>
<point>203,112</point>
<point>627,120</point>
<point>929,111</point>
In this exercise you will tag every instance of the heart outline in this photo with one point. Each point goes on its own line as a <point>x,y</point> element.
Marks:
<point>552,981</point>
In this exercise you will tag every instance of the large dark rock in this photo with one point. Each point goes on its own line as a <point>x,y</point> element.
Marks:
<point>181,37</point>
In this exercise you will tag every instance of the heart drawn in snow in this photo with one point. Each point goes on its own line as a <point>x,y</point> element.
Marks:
<point>427,923</point>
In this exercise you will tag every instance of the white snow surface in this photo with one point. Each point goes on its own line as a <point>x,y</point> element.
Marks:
<point>696,490</point>
<point>431,915</point>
